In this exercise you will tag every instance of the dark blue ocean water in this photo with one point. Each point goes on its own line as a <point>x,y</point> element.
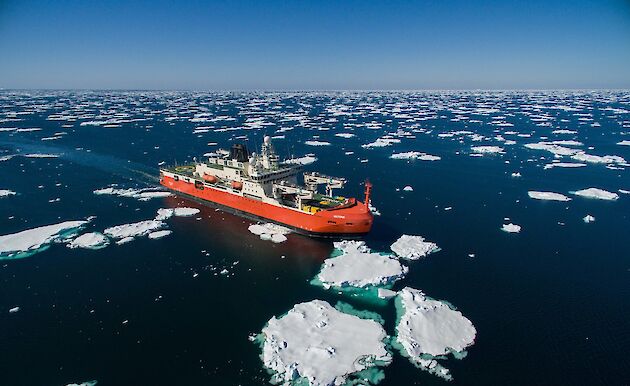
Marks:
<point>551,304</point>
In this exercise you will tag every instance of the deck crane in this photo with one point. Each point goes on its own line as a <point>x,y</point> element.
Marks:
<point>312,180</point>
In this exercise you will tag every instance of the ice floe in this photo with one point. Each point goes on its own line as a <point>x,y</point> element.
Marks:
<point>549,196</point>
<point>408,188</point>
<point>596,193</point>
<point>93,240</point>
<point>511,228</point>
<point>588,218</point>
<point>624,143</point>
<point>428,330</point>
<point>269,231</point>
<point>159,234</point>
<point>415,155</point>
<point>139,194</point>
<point>306,160</point>
<point>358,266</point>
<point>487,149</point>
<point>132,230</point>
<point>6,193</point>
<point>317,143</point>
<point>413,247</point>
<point>318,345</point>
<point>86,383</point>
<point>166,213</point>
<point>564,165</point>
<point>31,241</point>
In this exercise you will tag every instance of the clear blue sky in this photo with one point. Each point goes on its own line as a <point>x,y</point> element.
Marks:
<point>319,44</point>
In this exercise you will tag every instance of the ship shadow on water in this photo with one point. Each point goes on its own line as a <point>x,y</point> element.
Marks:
<point>225,231</point>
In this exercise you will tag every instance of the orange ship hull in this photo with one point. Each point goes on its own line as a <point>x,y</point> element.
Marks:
<point>351,220</point>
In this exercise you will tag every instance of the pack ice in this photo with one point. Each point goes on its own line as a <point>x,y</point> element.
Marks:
<point>31,241</point>
<point>428,329</point>
<point>316,343</point>
<point>358,266</point>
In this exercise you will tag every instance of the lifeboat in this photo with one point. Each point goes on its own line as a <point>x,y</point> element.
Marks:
<point>237,185</point>
<point>209,178</point>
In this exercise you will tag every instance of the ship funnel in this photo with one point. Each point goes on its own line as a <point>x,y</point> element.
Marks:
<point>239,152</point>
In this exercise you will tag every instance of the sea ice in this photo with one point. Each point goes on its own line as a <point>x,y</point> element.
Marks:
<point>93,240</point>
<point>6,193</point>
<point>14,310</point>
<point>166,213</point>
<point>31,241</point>
<point>306,160</point>
<point>413,247</point>
<point>140,228</point>
<point>588,218</point>
<point>487,149</point>
<point>408,188</point>
<point>429,329</point>
<point>159,234</point>
<point>511,228</point>
<point>357,266</point>
<point>624,143</point>
<point>86,383</point>
<point>269,231</point>
<point>139,194</point>
<point>550,196</point>
<point>596,193</point>
<point>317,143</point>
<point>564,165</point>
<point>606,159</point>
<point>318,345</point>
<point>415,155</point>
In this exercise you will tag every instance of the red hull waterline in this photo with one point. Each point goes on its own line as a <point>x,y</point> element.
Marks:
<point>350,220</point>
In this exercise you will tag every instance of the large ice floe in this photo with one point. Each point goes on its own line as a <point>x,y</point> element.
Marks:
<point>413,247</point>
<point>31,241</point>
<point>93,240</point>
<point>269,231</point>
<point>355,265</point>
<point>315,344</point>
<point>548,196</point>
<point>596,193</point>
<point>428,330</point>
<point>139,194</point>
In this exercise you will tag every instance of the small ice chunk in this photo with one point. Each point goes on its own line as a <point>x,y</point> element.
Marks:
<point>159,234</point>
<point>516,174</point>
<point>86,383</point>
<point>413,247</point>
<point>588,218</point>
<point>549,196</point>
<point>317,143</point>
<point>385,293</point>
<point>596,193</point>
<point>306,160</point>
<point>270,232</point>
<point>408,188</point>
<point>511,228</point>
<point>321,345</point>
<point>14,310</point>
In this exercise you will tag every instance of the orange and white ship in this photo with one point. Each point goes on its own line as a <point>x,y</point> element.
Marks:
<point>259,186</point>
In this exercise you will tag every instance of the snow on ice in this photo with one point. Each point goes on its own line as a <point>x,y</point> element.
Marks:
<point>596,193</point>
<point>429,329</point>
<point>93,240</point>
<point>358,266</point>
<point>31,241</point>
<point>269,231</point>
<point>323,346</point>
<point>549,196</point>
<point>413,247</point>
